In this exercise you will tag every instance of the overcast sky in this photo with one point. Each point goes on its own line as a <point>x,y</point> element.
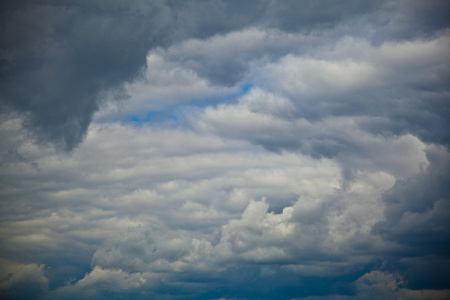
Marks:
<point>225,149</point>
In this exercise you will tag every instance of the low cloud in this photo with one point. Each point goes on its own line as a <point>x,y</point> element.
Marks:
<point>22,281</point>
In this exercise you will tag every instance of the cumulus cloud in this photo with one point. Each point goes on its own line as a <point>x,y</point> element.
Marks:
<point>416,212</point>
<point>383,285</point>
<point>71,56</point>
<point>224,150</point>
<point>22,281</point>
<point>99,282</point>
<point>337,82</point>
<point>184,212</point>
<point>60,60</point>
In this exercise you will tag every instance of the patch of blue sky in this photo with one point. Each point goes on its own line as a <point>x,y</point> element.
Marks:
<point>155,116</point>
<point>169,114</point>
<point>246,87</point>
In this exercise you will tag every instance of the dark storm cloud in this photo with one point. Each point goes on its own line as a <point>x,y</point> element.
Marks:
<point>417,218</point>
<point>417,207</point>
<point>59,57</point>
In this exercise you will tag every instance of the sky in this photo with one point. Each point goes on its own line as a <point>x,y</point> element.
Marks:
<point>225,149</point>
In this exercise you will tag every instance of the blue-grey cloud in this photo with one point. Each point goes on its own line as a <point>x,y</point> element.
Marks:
<point>224,150</point>
<point>60,58</point>
<point>417,210</point>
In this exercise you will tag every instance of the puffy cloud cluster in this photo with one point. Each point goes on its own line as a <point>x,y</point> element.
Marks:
<point>149,216</point>
<point>265,150</point>
<point>20,281</point>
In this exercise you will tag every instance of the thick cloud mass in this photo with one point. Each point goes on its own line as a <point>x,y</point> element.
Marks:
<point>224,150</point>
<point>58,58</point>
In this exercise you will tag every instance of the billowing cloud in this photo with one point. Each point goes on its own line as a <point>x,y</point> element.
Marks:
<point>224,150</point>
<point>61,59</point>
<point>20,281</point>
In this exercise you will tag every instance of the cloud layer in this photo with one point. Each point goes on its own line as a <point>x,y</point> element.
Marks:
<point>225,150</point>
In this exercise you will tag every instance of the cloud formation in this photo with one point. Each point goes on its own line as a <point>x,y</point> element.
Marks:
<point>224,150</point>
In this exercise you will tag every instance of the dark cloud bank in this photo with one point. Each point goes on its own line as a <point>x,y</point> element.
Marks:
<point>325,177</point>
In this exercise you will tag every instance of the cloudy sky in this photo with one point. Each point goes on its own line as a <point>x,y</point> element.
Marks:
<point>225,149</point>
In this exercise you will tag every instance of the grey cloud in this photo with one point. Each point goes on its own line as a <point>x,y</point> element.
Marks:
<point>61,59</point>
<point>20,281</point>
<point>323,104</point>
<point>385,285</point>
<point>416,216</point>
<point>295,16</point>
<point>378,82</point>
<point>350,201</point>
<point>180,214</point>
<point>417,206</point>
<point>296,243</point>
<point>101,283</point>
<point>256,119</point>
<point>418,19</point>
<point>154,183</point>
